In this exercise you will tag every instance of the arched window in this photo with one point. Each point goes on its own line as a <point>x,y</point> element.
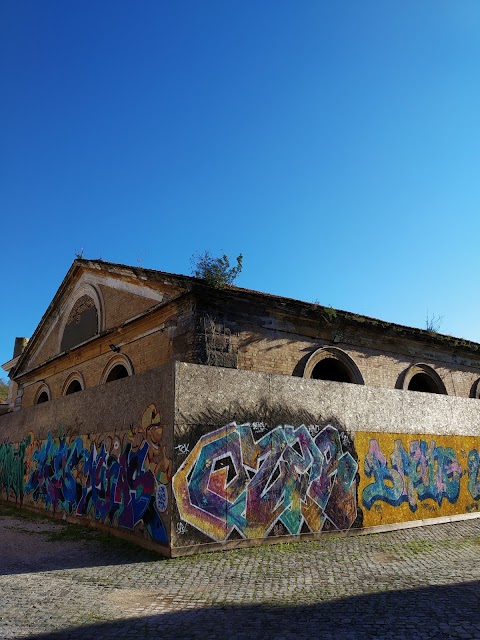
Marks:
<point>475,390</point>
<point>331,363</point>
<point>42,395</point>
<point>73,387</point>
<point>72,384</point>
<point>331,369</point>
<point>118,367</point>
<point>82,317</point>
<point>421,377</point>
<point>116,373</point>
<point>81,324</point>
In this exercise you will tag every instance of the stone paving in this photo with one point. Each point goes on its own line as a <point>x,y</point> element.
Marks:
<point>420,583</point>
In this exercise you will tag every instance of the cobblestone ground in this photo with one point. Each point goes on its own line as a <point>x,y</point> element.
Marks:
<point>417,583</point>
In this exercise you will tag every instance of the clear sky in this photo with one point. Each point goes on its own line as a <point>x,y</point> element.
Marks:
<point>336,144</point>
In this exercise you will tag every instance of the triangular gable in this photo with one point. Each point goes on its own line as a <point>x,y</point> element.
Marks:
<point>94,297</point>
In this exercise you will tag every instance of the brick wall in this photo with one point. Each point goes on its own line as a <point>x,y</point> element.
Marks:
<point>122,305</point>
<point>268,353</point>
<point>273,338</point>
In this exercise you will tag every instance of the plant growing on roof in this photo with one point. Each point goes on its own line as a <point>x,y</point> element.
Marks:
<point>216,272</point>
<point>433,323</point>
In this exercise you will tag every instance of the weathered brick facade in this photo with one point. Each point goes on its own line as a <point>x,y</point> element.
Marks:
<point>149,318</point>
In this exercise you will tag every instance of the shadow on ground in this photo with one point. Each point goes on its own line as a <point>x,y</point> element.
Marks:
<point>429,613</point>
<point>32,545</point>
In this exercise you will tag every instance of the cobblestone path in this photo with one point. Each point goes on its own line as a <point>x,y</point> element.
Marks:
<point>421,583</point>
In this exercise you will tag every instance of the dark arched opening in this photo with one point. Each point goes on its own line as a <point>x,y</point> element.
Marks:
<point>118,371</point>
<point>475,390</point>
<point>423,382</point>
<point>43,397</point>
<point>331,369</point>
<point>73,387</point>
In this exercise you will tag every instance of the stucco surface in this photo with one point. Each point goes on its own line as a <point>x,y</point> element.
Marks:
<point>115,405</point>
<point>208,391</point>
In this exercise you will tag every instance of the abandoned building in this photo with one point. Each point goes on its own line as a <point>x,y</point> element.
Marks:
<point>191,417</point>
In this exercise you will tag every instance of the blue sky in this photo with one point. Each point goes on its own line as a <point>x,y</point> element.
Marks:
<point>335,144</point>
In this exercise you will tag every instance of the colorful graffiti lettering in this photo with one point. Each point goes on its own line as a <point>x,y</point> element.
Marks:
<point>425,471</point>
<point>52,479</point>
<point>12,468</point>
<point>119,486</point>
<point>121,490</point>
<point>230,481</point>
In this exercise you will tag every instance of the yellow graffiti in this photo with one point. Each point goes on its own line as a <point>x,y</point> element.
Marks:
<point>407,477</point>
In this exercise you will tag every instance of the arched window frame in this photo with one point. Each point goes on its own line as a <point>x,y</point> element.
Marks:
<point>43,388</point>
<point>113,362</point>
<point>420,367</point>
<point>83,289</point>
<point>75,375</point>
<point>475,390</point>
<point>336,354</point>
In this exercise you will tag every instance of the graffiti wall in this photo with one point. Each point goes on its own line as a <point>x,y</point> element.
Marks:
<point>408,477</point>
<point>245,481</point>
<point>120,479</point>
<point>250,481</point>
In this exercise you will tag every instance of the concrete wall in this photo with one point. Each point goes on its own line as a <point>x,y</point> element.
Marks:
<point>102,456</point>
<point>189,457</point>
<point>261,456</point>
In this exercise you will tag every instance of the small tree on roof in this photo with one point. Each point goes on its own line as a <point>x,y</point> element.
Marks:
<point>216,272</point>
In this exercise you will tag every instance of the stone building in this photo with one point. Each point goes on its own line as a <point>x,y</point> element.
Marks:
<point>191,417</point>
<point>109,321</point>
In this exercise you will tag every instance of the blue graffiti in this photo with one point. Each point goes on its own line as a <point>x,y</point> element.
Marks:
<point>424,472</point>
<point>52,481</point>
<point>81,482</point>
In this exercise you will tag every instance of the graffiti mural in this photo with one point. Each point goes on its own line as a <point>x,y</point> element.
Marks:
<point>120,480</point>
<point>289,476</point>
<point>424,471</point>
<point>13,468</point>
<point>121,490</point>
<point>408,477</point>
<point>52,479</point>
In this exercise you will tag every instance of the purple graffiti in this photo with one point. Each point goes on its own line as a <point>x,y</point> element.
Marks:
<point>287,477</point>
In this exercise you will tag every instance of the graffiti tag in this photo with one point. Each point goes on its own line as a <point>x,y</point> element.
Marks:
<point>181,528</point>
<point>183,449</point>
